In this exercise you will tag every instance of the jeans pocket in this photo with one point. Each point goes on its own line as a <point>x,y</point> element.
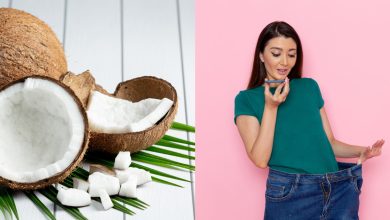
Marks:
<point>278,190</point>
<point>357,183</point>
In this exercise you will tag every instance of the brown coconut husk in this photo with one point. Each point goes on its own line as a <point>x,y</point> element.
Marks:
<point>135,90</point>
<point>101,169</point>
<point>28,47</point>
<point>62,175</point>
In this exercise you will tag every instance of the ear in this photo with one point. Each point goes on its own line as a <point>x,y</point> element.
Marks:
<point>261,57</point>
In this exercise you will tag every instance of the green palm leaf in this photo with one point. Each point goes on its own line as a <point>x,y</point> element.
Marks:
<point>7,203</point>
<point>170,144</point>
<point>168,152</point>
<point>31,195</point>
<point>178,140</point>
<point>182,127</point>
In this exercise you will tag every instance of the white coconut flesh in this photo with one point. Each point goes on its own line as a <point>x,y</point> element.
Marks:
<point>42,130</point>
<point>107,114</point>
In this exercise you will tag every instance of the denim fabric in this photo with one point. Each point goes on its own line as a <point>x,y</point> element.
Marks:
<point>314,196</point>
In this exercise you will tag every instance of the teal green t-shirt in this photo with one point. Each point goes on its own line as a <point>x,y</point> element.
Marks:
<point>300,143</point>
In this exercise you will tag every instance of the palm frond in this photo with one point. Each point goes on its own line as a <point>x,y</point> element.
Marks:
<point>31,195</point>
<point>178,140</point>
<point>168,152</point>
<point>182,127</point>
<point>7,203</point>
<point>170,144</point>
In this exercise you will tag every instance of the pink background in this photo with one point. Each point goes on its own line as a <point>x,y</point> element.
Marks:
<point>346,49</point>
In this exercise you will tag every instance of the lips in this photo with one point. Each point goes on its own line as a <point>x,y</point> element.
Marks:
<point>282,71</point>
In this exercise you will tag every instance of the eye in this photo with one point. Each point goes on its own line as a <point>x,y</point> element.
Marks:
<point>292,55</point>
<point>275,54</point>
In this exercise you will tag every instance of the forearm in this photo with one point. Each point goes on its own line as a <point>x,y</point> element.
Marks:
<point>344,150</point>
<point>262,147</point>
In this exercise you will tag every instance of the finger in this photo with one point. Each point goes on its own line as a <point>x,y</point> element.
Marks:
<point>266,90</point>
<point>277,91</point>
<point>286,89</point>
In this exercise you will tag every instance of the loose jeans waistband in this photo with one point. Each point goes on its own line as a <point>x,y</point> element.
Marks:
<point>346,170</point>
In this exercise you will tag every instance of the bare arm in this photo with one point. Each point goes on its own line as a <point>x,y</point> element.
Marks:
<point>258,140</point>
<point>345,150</point>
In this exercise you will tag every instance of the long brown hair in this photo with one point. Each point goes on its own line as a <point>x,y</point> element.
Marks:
<point>272,30</point>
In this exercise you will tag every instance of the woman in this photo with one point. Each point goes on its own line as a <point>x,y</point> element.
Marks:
<point>284,126</point>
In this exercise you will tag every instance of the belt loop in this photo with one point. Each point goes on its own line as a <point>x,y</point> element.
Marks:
<point>349,172</point>
<point>297,178</point>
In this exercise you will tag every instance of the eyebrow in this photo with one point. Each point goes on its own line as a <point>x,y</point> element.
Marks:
<point>278,48</point>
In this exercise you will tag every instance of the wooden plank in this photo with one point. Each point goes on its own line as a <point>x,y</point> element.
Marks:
<point>52,13</point>
<point>92,41</point>
<point>152,47</point>
<point>187,33</point>
<point>4,3</point>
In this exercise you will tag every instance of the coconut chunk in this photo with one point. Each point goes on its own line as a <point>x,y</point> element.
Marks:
<point>42,130</point>
<point>99,181</point>
<point>73,197</point>
<point>142,176</point>
<point>80,184</point>
<point>113,115</point>
<point>122,160</point>
<point>129,188</point>
<point>105,199</point>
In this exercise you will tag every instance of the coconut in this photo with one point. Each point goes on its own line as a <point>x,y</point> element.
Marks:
<point>28,46</point>
<point>44,132</point>
<point>136,90</point>
<point>108,138</point>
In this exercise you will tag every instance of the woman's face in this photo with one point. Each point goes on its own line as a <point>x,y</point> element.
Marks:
<point>279,57</point>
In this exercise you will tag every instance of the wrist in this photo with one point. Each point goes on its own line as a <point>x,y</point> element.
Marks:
<point>271,107</point>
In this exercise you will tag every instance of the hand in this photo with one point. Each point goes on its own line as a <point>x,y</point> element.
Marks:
<point>278,97</point>
<point>371,151</point>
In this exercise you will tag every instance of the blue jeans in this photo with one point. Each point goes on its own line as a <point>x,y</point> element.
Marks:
<point>314,196</point>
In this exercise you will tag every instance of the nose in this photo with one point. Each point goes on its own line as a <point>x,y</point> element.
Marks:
<point>284,60</point>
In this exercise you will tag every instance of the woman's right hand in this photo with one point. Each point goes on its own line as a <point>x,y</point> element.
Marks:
<point>278,97</point>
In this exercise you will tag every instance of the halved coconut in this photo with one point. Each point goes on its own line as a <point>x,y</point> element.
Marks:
<point>28,46</point>
<point>135,90</point>
<point>121,134</point>
<point>44,132</point>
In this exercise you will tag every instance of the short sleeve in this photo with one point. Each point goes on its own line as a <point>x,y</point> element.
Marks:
<point>320,100</point>
<point>242,106</point>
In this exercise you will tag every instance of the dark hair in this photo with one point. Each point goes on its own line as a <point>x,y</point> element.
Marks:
<point>272,30</point>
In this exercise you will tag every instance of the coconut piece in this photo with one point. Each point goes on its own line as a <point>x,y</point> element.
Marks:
<point>73,197</point>
<point>142,176</point>
<point>135,90</point>
<point>28,47</point>
<point>102,181</point>
<point>80,184</point>
<point>100,168</point>
<point>122,160</point>
<point>112,115</point>
<point>105,199</point>
<point>43,135</point>
<point>83,84</point>
<point>129,188</point>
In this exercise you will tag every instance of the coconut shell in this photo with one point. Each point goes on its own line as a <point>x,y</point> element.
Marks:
<point>28,47</point>
<point>101,169</point>
<point>82,84</point>
<point>66,172</point>
<point>135,90</point>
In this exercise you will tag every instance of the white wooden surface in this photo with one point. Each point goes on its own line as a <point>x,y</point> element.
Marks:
<point>118,40</point>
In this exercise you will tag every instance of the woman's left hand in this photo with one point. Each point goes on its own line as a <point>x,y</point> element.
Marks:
<point>371,151</point>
